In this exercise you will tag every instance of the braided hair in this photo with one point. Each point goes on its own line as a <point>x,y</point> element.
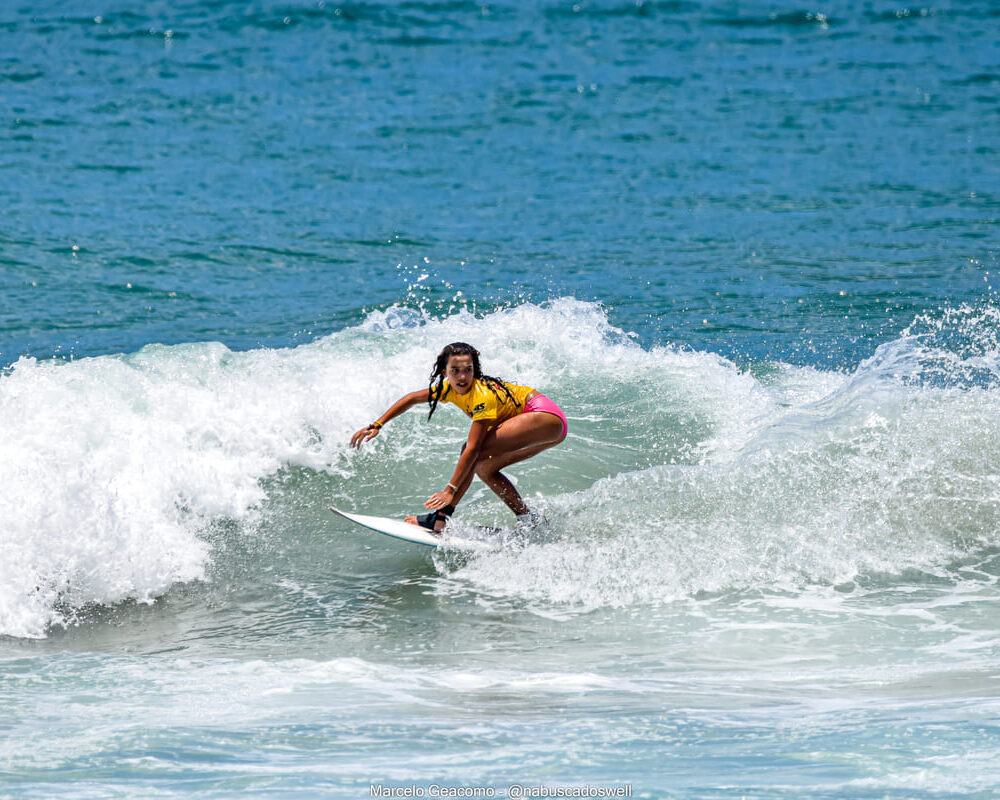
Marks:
<point>495,385</point>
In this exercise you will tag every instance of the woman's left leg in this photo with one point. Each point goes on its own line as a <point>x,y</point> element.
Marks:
<point>515,440</point>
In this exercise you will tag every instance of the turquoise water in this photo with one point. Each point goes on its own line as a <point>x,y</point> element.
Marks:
<point>748,247</point>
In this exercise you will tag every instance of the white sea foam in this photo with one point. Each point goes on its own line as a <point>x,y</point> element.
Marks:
<point>682,473</point>
<point>115,465</point>
<point>805,477</point>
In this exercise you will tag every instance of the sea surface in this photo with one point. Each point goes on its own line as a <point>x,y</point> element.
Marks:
<point>749,247</point>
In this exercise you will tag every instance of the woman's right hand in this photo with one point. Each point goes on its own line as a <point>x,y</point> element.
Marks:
<point>366,434</point>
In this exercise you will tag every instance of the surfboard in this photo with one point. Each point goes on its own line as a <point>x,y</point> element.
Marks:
<point>398,529</point>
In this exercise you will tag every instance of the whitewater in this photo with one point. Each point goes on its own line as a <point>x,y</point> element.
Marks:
<point>683,473</point>
<point>753,549</point>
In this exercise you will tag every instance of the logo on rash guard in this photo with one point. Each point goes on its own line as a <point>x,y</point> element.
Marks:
<point>480,407</point>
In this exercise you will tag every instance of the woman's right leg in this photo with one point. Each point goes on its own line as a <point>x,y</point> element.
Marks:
<point>499,483</point>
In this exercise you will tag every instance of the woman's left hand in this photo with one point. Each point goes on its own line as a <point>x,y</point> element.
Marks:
<point>440,499</point>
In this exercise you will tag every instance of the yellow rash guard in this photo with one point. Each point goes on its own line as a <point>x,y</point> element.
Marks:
<point>483,405</point>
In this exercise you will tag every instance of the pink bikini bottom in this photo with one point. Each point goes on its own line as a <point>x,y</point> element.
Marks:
<point>541,403</point>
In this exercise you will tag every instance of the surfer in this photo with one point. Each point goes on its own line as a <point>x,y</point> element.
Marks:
<point>509,424</point>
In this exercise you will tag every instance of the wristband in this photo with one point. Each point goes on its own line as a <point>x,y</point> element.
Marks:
<point>376,425</point>
<point>452,487</point>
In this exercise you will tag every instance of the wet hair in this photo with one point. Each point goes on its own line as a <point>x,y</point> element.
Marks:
<point>495,385</point>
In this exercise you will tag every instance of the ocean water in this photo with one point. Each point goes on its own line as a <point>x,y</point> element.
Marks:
<point>748,247</point>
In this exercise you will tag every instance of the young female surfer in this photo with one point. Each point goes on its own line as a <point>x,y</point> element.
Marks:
<point>509,424</point>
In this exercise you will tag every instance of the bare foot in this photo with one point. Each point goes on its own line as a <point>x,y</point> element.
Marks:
<point>439,523</point>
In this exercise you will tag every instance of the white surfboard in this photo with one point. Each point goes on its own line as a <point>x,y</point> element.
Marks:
<point>398,529</point>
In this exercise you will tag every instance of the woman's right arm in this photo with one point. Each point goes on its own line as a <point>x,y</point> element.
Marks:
<point>404,403</point>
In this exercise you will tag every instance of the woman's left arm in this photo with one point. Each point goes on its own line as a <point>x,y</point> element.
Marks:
<point>463,470</point>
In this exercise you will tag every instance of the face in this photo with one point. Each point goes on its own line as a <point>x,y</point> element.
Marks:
<point>460,373</point>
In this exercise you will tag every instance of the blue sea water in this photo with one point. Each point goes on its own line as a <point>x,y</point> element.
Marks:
<point>749,247</point>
